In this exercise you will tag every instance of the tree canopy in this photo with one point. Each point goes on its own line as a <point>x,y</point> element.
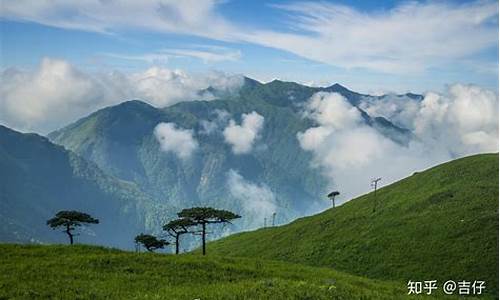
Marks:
<point>70,219</point>
<point>150,242</point>
<point>207,215</point>
<point>178,227</point>
<point>200,215</point>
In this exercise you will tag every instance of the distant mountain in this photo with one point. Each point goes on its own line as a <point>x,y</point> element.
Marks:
<point>441,223</point>
<point>39,178</point>
<point>121,142</point>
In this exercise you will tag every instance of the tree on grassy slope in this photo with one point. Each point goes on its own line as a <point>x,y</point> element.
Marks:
<point>178,227</point>
<point>207,215</point>
<point>150,242</point>
<point>332,196</point>
<point>70,220</point>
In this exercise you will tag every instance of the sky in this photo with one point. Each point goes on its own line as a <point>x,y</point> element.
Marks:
<point>368,46</point>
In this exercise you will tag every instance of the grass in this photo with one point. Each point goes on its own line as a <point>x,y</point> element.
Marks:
<point>440,224</point>
<point>86,272</point>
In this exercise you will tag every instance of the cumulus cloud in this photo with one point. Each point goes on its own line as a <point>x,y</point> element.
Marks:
<point>56,92</point>
<point>410,37</point>
<point>463,120</point>
<point>351,153</point>
<point>257,200</point>
<point>242,137</point>
<point>175,140</point>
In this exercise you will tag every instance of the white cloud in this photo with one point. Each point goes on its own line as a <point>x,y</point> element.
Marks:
<point>410,37</point>
<point>207,54</point>
<point>400,109</point>
<point>465,119</point>
<point>53,92</point>
<point>176,140</point>
<point>257,201</point>
<point>57,93</point>
<point>196,17</point>
<point>242,137</point>
<point>350,153</point>
<point>332,109</point>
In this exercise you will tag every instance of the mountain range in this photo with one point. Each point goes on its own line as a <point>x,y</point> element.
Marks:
<point>111,163</point>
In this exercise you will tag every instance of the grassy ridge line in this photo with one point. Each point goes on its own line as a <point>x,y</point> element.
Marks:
<point>438,224</point>
<point>85,272</point>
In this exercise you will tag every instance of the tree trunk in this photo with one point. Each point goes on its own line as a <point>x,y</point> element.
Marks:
<point>68,232</point>
<point>177,244</point>
<point>203,225</point>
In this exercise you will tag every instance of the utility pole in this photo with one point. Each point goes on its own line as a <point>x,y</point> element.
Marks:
<point>274,218</point>
<point>374,185</point>
<point>265,222</point>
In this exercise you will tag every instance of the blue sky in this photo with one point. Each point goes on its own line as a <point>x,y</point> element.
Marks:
<point>369,46</point>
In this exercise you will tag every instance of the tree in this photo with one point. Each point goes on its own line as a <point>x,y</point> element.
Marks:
<point>150,242</point>
<point>332,196</point>
<point>70,220</point>
<point>207,215</point>
<point>178,227</point>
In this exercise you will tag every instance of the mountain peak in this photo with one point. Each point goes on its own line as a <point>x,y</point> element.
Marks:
<point>133,103</point>
<point>338,87</point>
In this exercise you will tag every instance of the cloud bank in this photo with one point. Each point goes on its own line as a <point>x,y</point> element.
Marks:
<point>410,37</point>
<point>175,140</point>
<point>463,121</point>
<point>242,137</point>
<point>56,92</point>
<point>258,201</point>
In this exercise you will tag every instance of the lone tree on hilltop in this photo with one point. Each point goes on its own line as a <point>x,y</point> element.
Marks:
<point>150,242</point>
<point>70,220</point>
<point>178,227</point>
<point>207,215</point>
<point>332,196</point>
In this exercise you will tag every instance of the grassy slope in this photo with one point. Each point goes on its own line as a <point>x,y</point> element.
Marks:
<point>438,224</point>
<point>84,272</point>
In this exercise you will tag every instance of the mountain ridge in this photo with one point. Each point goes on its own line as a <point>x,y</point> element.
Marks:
<point>120,140</point>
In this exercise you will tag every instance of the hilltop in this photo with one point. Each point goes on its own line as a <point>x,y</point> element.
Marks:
<point>438,224</point>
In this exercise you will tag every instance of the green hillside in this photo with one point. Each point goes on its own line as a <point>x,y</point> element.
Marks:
<point>84,272</point>
<point>438,224</point>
